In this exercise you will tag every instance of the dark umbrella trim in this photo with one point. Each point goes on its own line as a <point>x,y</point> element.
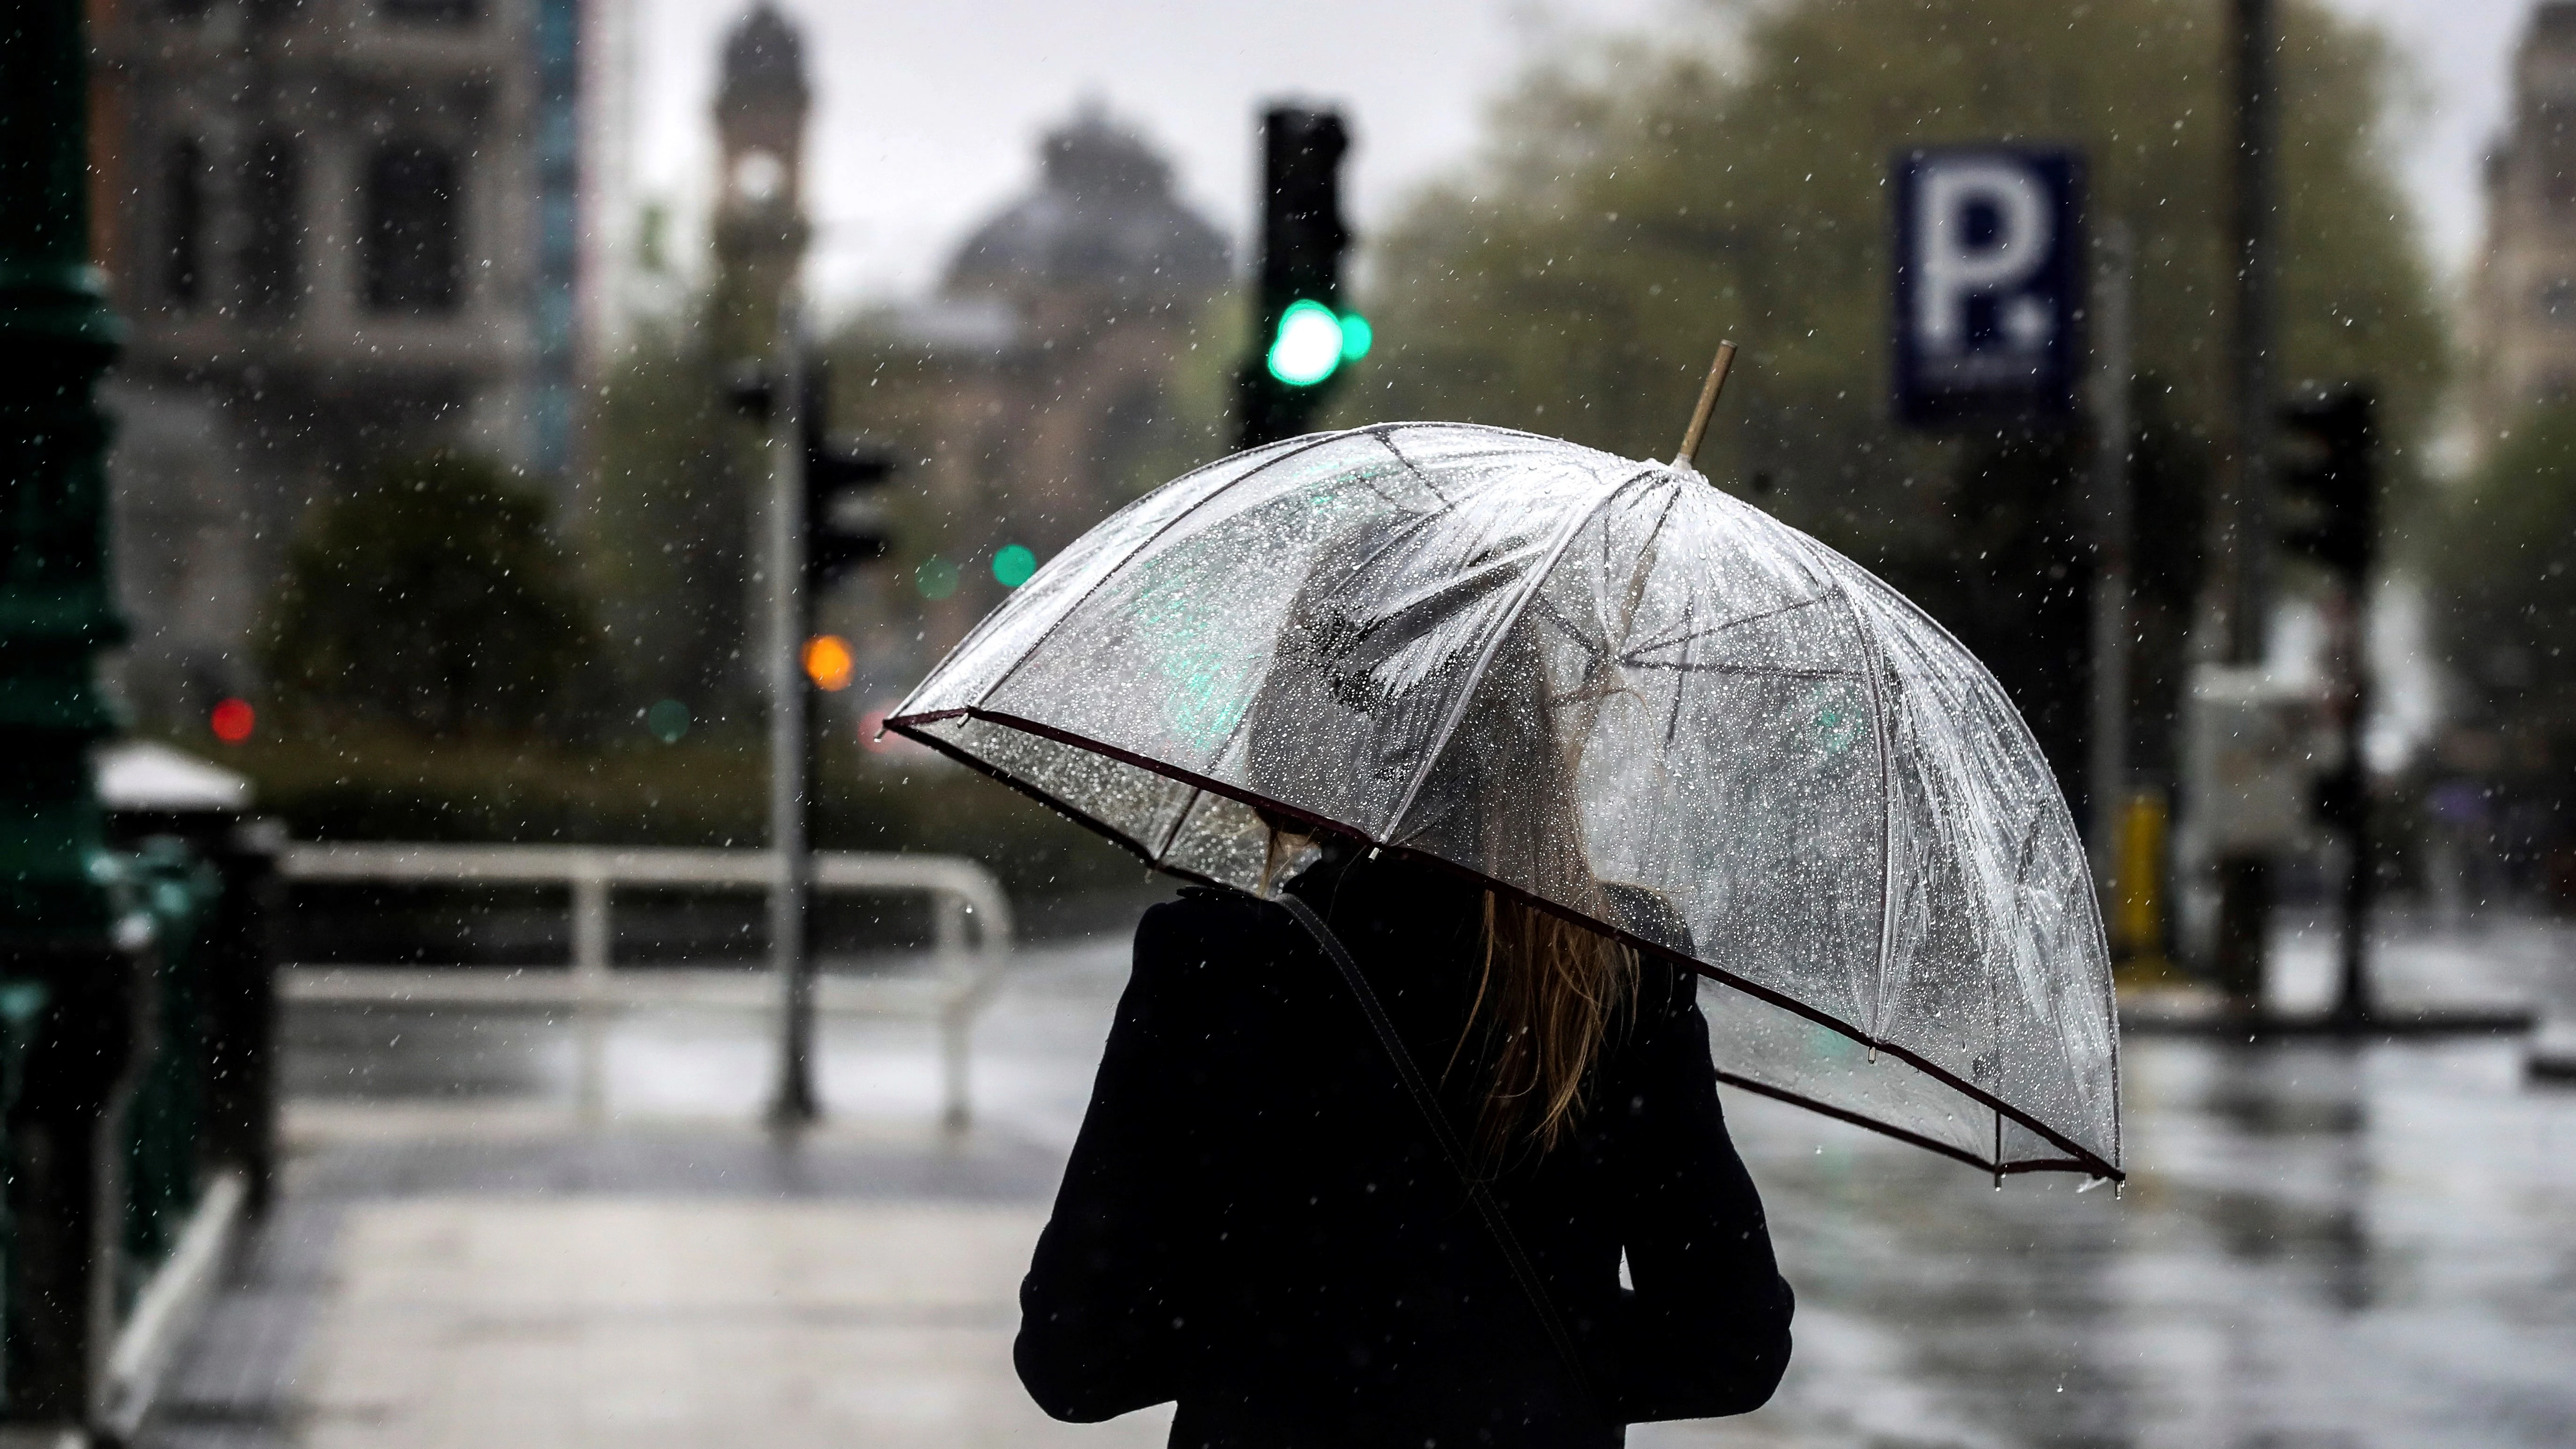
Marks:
<point>2080,1160</point>
<point>2087,1164</point>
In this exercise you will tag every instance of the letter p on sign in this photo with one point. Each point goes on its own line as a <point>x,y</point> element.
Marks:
<point>1989,284</point>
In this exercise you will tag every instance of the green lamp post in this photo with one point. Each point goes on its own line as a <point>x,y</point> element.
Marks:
<point>56,337</point>
<point>61,903</point>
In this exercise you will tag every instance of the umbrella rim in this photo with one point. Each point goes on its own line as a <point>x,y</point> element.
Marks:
<point>914,727</point>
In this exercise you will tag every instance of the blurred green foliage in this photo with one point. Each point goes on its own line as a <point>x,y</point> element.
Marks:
<point>2499,557</point>
<point>1638,199</point>
<point>435,600</point>
<point>667,529</point>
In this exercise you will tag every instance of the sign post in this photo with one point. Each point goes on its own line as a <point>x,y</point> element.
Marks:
<point>794,1103</point>
<point>2107,773</point>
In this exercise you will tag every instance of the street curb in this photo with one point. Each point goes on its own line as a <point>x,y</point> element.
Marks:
<point>2218,1022</point>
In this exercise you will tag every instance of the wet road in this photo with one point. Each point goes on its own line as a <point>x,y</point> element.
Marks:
<point>2322,1245</point>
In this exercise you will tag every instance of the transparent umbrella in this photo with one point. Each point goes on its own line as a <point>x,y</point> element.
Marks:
<point>1616,691</point>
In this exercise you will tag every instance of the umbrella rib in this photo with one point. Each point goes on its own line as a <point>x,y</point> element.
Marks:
<point>1385,435</point>
<point>1413,523</point>
<point>1994,985</point>
<point>1673,722</point>
<point>1763,671</point>
<point>1178,820</point>
<point>1142,544</point>
<point>1550,614</point>
<point>1636,595</point>
<point>1736,623</point>
<point>1875,661</point>
<point>1494,643</point>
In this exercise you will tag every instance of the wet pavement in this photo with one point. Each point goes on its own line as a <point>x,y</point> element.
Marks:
<point>2323,1245</point>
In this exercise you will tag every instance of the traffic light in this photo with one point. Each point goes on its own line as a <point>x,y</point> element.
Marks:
<point>2328,484</point>
<point>2327,488</point>
<point>845,523</point>
<point>1302,335</point>
<point>845,526</point>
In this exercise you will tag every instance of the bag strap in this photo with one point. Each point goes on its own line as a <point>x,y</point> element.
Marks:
<point>1438,1122</point>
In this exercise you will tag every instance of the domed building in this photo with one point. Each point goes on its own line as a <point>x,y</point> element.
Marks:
<point>1102,221</point>
<point>1063,321</point>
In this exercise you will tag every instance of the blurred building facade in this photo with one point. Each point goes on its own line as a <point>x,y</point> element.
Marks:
<point>2523,307</point>
<point>339,230</point>
<point>1063,323</point>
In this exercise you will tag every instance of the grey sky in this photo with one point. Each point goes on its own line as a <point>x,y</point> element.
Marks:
<point>927,114</point>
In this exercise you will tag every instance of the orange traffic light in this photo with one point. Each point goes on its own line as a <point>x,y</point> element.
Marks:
<point>828,661</point>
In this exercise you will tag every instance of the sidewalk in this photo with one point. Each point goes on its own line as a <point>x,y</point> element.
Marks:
<point>637,1290</point>
<point>2322,1245</point>
<point>482,1274</point>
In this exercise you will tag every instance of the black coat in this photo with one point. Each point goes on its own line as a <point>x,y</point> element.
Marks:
<point>1257,1223</point>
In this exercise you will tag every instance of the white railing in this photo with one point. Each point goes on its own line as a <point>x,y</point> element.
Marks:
<point>966,900</point>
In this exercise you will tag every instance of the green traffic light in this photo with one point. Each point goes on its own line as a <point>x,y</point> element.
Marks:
<point>936,578</point>
<point>1356,336</point>
<point>1012,565</point>
<point>1309,345</point>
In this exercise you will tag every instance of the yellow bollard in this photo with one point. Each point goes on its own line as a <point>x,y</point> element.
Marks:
<point>2137,924</point>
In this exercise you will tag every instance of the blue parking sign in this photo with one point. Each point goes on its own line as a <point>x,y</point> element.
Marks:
<point>1989,284</point>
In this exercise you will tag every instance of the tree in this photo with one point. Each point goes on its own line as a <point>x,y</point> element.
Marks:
<point>432,598</point>
<point>669,528</point>
<point>1637,199</point>
<point>2499,555</point>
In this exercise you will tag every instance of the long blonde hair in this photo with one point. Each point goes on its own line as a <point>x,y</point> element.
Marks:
<point>1546,996</point>
<point>1545,1003</point>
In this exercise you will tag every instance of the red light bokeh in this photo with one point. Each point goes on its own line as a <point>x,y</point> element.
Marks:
<point>232,721</point>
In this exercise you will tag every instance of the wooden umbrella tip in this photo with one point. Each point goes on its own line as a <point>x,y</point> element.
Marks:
<point>1707,405</point>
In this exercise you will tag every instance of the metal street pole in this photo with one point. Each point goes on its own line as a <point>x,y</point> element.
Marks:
<point>56,614</point>
<point>2355,1006</point>
<point>2250,349</point>
<point>794,1102</point>
<point>59,905</point>
<point>2108,767</point>
<point>2245,882</point>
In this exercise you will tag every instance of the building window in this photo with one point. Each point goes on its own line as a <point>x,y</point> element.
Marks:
<point>414,260</point>
<point>432,12</point>
<point>183,224</point>
<point>273,213</point>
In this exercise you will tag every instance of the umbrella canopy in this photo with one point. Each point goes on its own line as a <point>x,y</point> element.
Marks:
<point>1615,691</point>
